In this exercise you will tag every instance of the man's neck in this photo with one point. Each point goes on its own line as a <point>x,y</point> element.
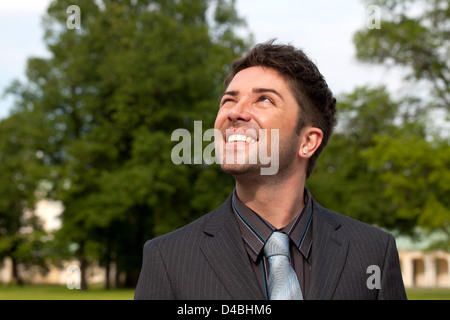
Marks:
<point>278,204</point>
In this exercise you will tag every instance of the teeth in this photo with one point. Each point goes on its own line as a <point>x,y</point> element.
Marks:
<point>240,138</point>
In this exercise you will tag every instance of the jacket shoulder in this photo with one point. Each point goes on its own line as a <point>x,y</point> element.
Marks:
<point>352,227</point>
<point>183,235</point>
<point>196,230</point>
<point>368,247</point>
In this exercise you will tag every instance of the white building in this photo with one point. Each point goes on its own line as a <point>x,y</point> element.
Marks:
<point>425,269</point>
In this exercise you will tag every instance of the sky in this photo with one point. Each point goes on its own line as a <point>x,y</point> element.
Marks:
<point>322,28</point>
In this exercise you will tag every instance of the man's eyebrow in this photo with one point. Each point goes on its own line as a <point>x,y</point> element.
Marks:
<point>263,90</point>
<point>233,93</point>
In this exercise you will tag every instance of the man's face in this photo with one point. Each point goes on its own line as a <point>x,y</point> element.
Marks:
<point>256,99</point>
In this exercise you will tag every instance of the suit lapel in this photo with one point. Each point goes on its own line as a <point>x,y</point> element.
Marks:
<point>329,254</point>
<point>225,252</point>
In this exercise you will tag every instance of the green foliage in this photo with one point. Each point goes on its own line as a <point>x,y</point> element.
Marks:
<point>418,41</point>
<point>414,165</point>
<point>416,178</point>
<point>108,100</point>
<point>21,234</point>
<point>387,165</point>
<point>344,180</point>
<point>92,127</point>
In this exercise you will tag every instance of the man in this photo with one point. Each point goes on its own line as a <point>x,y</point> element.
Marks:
<point>273,94</point>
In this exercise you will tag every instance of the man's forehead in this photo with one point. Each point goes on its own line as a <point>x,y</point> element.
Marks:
<point>257,77</point>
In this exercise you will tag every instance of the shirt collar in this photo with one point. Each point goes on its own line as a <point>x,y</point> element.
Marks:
<point>255,230</point>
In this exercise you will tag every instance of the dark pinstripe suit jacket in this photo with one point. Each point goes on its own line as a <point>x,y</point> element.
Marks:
<point>207,260</point>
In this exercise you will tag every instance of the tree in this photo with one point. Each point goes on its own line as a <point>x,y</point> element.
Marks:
<point>392,166</point>
<point>415,176</point>
<point>418,42</point>
<point>352,186</point>
<point>112,93</point>
<point>22,237</point>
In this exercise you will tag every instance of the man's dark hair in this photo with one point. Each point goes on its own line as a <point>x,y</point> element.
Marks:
<point>316,101</point>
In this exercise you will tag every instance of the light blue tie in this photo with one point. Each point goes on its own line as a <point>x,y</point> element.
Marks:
<point>283,283</point>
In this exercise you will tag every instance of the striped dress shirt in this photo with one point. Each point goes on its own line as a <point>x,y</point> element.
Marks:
<point>255,231</point>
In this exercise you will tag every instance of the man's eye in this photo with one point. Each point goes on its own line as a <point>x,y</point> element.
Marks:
<point>265,99</point>
<point>224,101</point>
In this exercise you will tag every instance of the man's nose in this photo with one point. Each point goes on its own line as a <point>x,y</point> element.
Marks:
<point>240,112</point>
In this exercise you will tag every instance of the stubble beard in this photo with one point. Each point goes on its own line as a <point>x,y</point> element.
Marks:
<point>248,172</point>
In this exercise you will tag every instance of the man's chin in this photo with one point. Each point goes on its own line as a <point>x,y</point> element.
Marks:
<point>240,169</point>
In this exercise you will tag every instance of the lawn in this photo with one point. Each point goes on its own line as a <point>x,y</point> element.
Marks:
<point>428,294</point>
<point>54,292</point>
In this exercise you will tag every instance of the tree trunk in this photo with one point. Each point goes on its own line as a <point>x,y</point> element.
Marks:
<point>15,272</point>
<point>83,267</point>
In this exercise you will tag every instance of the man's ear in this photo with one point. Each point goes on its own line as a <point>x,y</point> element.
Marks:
<point>311,138</point>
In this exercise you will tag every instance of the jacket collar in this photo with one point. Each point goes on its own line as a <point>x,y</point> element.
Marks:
<point>225,252</point>
<point>329,254</point>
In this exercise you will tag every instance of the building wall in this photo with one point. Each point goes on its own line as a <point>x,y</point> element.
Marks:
<point>62,275</point>
<point>420,269</point>
<point>425,269</point>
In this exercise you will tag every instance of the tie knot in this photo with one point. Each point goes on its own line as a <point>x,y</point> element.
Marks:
<point>277,244</point>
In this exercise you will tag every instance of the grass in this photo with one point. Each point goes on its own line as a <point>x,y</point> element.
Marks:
<point>428,294</point>
<point>55,292</point>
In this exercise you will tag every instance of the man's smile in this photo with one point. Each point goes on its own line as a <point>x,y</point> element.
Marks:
<point>236,135</point>
<point>240,138</point>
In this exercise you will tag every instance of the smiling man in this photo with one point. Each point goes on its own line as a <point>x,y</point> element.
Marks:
<point>270,239</point>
